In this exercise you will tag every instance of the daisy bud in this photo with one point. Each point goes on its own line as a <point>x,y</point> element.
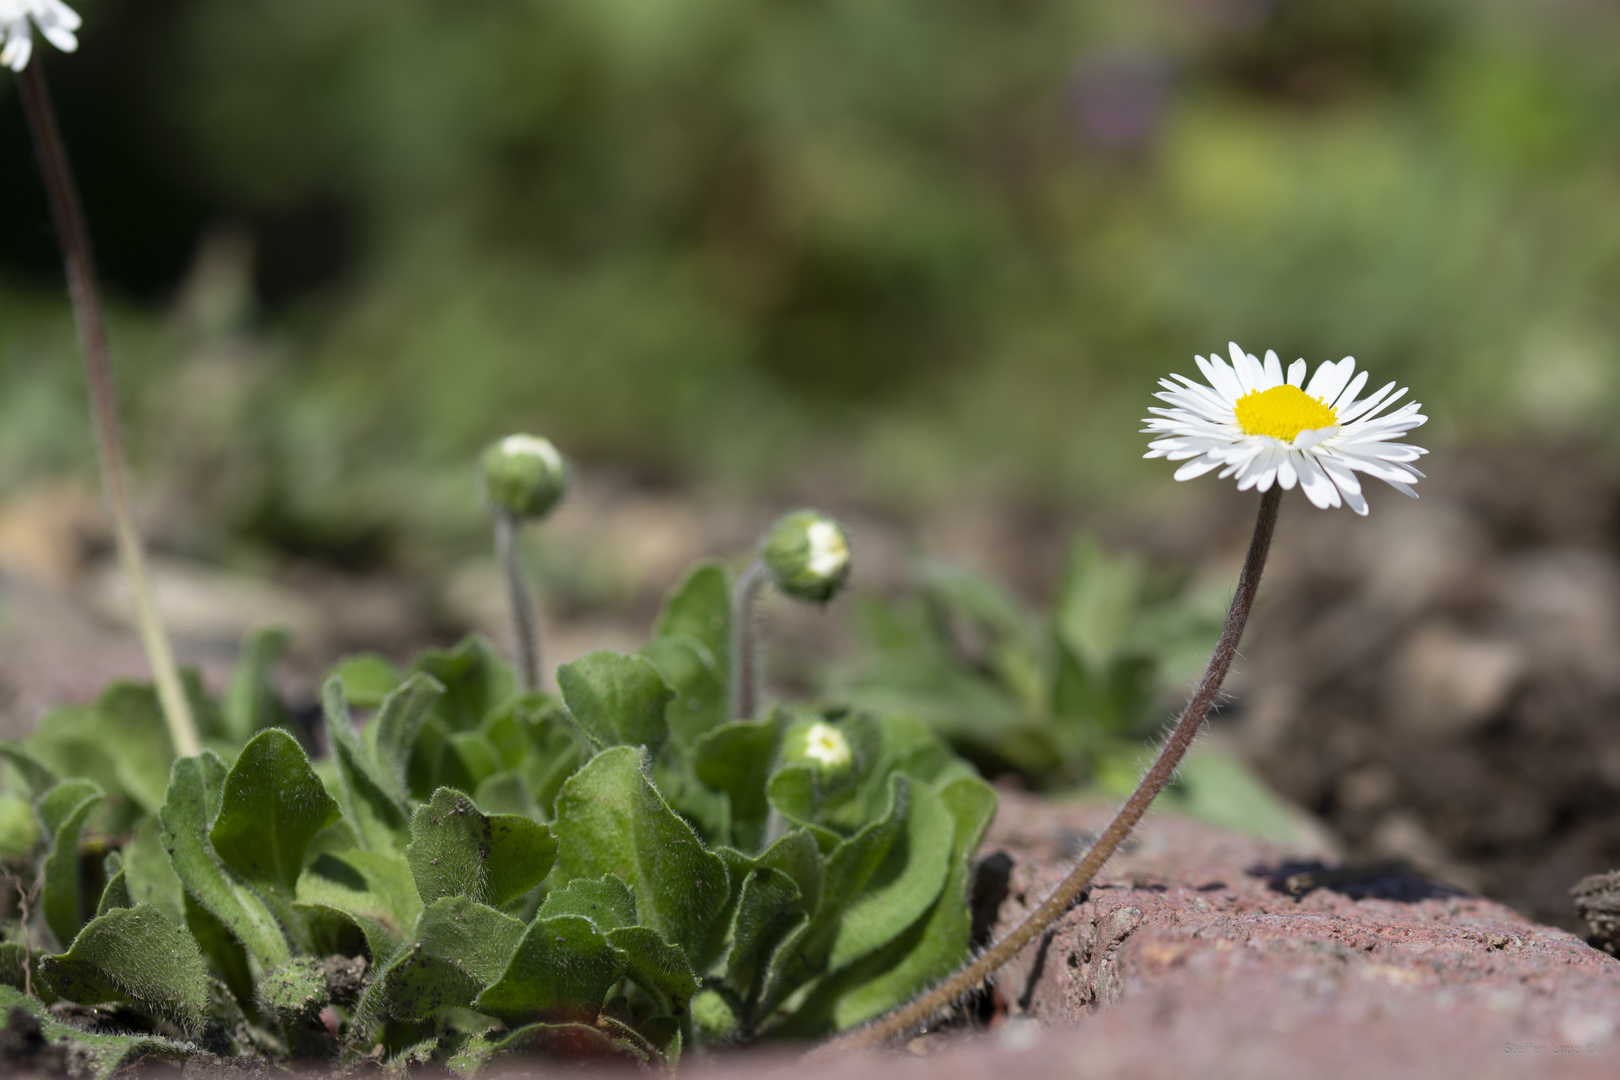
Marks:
<point>807,555</point>
<point>819,745</point>
<point>524,474</point>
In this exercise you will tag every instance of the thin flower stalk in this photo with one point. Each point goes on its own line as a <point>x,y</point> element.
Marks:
<point>745,672</point>
<point>958,986</point>
<point>74,237</point>
<point>520,600</point>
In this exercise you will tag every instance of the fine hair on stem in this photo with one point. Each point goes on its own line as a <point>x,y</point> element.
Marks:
<point>953,989</point>
<point>74,236</point>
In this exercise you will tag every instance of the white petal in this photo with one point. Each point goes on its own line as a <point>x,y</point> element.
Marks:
<point>1296,372</point>
<point>1221,377</point>
<point>1315,483</point>
<point>1330,379</point>
<point>1196,467</point>
<point>62,15</point>
<point>1287,476</point>
<point>1311,436</point>
<point>19,45</point>
<point>1249,373</point>
<point>1348,394</point>
<point>60,36</point>
<point>1357,410</point>
<point>1339,472</point>
<point>1274,375</point>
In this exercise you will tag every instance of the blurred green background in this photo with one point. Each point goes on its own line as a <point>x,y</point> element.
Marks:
<point>908,248</point>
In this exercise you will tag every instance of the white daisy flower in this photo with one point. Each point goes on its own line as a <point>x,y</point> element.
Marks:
<point>55,20</point>
<point>1266,429</point>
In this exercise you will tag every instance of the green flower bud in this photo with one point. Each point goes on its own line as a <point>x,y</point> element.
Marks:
<point>819,745</point>
<point>525,475</point>
<point>807,555</point>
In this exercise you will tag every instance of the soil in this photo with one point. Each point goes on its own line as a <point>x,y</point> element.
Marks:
<point>1439,683</point>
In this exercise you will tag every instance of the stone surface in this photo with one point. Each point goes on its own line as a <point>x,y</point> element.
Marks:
<point>1205,953</point>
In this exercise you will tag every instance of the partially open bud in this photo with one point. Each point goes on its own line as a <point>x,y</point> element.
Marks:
<point>525,475</point>
<point>807,555</point>
<point>821,746</point>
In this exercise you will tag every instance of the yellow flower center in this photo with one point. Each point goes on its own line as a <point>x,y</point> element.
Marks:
<point>1282,412</point>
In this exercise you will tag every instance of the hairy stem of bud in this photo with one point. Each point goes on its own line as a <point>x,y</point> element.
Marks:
<point>941,998</point>
<point>74,236</point>
<point>525,639</point>
<point>745,670</point>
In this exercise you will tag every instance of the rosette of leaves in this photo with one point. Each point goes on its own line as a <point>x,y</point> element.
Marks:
<point>474,872</point>
<point>1059,697</point>
<point>1063,698</point>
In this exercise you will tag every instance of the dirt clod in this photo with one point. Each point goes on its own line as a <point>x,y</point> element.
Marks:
<point>1597,900</point>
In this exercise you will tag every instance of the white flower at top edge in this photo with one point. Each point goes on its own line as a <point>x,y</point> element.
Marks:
<point>55,20</point>
<point>1253,423</point>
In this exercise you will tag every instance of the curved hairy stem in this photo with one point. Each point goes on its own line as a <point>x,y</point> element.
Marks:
<point>74,237</point>
<point>744,629</point>
<point>525,639</point>
<point>1158,775</point>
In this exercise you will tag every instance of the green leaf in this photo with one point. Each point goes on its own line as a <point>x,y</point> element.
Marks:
<point>457,850</point>
<point>150,877</point>
<point>39,776</point>
<point>562,969</point>
<point>736,758</point>
<point>606,901</point>
<point>370,797</point>
<point>63,811</point>
<point>375,891</point>
<point>702,698</point>
<point>467,760</point>
<point>195,789</point>
<point>14,963</point>
<point>131,721</point>
<point>133,956</point>
<point>904,885</point>
<point>101,1055</point>
<point>116,892</point>
<point>19,827</point>
<point>792,792</point>
<point>700,608</point>
<point>611,820</point>
<point>459,948</point>
<point>936,945</point>
<point>250,703</point>
<point>475,681</point>
<point>656,966</point>
<point>773,892</point>
<point>1097,602</point>
<point>392,734</point>
<point>799,857</point>
<point>768,910</point>
<point>505,793</point>
<point>122,743</point>
<point>367,678</point>
<point>1220,788</point>
<point>863,877</point>
<point>617,700</point>
<point>271,806</point>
